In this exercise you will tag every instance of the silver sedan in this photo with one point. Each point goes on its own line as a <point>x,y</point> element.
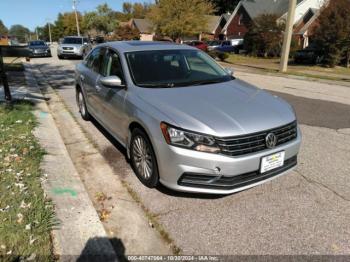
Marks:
<point>185,121</point>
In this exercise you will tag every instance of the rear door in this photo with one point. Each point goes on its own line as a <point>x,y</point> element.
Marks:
<point>89,75</point>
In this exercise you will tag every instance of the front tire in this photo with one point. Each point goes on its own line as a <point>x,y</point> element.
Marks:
<point>82,106</point>
<point>143,159</point>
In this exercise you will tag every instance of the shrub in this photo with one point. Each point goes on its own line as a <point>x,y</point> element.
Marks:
<point>222,56</point>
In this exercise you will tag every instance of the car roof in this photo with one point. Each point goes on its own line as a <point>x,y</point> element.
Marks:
<point>132,46</point>
<point>75,36</point>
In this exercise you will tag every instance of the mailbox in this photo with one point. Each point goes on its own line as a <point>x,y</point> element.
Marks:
<point>10,51</point>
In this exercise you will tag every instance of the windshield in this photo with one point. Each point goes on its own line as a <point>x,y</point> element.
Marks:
<point>73,40</point>
<point>171,68</point>
<point>37,43</point>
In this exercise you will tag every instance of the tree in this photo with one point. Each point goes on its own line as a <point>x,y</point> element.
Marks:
<point>20,32</point>
<point>3,29</point>
<point>179,18</point>
<point>224,6</point>
<point>58,29</point>
<point>136,10</point>
<point>333,33</point>
<point>123,33</point>
<point>102,20</point>
<point>264,36</point>
<point>69,23</point>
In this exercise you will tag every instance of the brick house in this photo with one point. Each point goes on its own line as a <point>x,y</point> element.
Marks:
<point>247,10</point>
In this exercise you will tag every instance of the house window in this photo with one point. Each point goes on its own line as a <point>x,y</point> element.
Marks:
<point>240,19</point>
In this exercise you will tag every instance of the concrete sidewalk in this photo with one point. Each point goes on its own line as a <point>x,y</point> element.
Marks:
<point>79,234</point>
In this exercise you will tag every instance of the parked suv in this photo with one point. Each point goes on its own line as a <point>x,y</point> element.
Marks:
<point>74,46</point>
<point>184,120</point>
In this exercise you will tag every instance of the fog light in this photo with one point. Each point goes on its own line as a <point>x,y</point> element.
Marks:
<point>209,149</point>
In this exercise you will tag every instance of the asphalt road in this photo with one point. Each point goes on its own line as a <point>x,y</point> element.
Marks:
<point>304,212</point>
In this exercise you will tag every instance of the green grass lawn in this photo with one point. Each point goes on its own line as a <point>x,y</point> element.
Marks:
<point>272,65</point>
<point>26,217</point>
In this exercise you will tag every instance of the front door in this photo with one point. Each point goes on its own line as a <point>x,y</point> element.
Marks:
<point>113,98</point>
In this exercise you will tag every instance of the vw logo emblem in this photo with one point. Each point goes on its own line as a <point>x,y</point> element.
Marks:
<point>271,140</point>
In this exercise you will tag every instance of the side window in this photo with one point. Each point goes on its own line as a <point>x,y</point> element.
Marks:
<point>111,65</point>
<point>94,59</point>
<point>89,60</point>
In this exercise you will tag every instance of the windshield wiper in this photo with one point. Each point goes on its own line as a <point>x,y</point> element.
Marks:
<point>163,85</point>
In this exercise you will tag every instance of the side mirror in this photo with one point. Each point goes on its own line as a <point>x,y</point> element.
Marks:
<point>112,81</point>
<point>229,71</point>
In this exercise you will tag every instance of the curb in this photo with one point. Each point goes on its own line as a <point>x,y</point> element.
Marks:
<point>80,234</point>
<point>263,71</point>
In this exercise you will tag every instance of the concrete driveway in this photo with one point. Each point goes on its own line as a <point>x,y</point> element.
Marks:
<point>304,212</point>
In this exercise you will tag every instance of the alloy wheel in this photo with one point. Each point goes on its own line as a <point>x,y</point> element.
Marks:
<point>142,157</point>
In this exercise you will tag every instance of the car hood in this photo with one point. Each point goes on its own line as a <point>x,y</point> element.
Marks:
<point>38,47</point>
<point>225,109</point>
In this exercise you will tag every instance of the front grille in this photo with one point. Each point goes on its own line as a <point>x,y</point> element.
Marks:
<point>250,143</point>
<point>229,183</point>
<point>67,48</point>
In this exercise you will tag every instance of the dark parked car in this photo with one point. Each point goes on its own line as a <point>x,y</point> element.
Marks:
<point>309,55</point>
<point>39,48</point>
<point>197,44</point>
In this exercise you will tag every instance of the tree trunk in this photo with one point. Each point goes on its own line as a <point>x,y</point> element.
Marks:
<point>348,59</point>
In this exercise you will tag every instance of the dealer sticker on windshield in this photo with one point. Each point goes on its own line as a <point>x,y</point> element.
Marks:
<point>272,161</point>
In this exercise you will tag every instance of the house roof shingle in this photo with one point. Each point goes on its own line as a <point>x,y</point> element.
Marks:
<point>143,25</point>
<point>258,7</point>
<point>212,22</point>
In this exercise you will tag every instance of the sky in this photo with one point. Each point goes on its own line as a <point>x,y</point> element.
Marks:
<point>33,13</point>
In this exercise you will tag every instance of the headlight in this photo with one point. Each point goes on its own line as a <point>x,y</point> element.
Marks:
<point>187,139</point>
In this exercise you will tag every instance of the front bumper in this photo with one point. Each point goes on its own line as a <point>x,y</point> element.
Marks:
<point>69,53</point>
<point>197,172</point>
<point>40,54</point>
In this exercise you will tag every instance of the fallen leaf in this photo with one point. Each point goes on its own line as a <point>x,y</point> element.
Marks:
<point>19,218</point>
<point>100,196</point>
<point>9,252</point>
<point>32,257</point>
<point>20,185</point>
<point>31,240</point>
<point>104,214</point>
<point>24,205</point>
<point>3,247</point>
<point>19,122</point>
<point>28,227</point>
<point>5,208</point>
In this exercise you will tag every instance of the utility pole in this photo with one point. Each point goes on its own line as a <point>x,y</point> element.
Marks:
<point>37,34</point>
<point>76,16</point>
<point>288,36</point>
<point>50,32</point>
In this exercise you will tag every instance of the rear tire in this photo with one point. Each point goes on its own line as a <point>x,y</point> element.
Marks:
<point>143,159</point>
<point>82,106</point>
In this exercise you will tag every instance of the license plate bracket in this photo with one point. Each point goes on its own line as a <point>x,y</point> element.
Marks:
<point>272,162</point>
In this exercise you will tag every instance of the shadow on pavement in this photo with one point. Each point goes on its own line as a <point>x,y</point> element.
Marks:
<point>96,249</point>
